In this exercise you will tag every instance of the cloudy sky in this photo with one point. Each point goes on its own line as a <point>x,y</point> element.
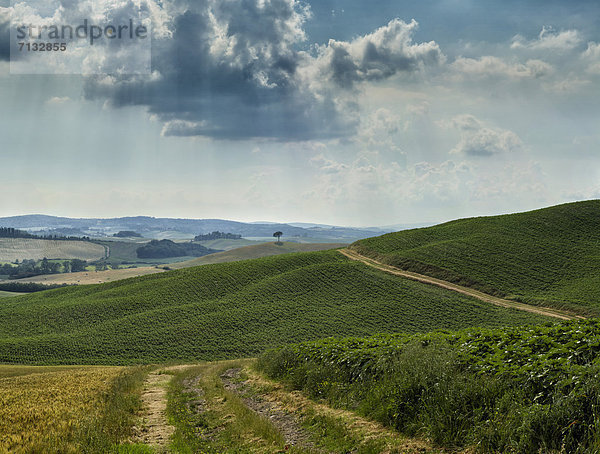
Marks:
<point>344,112</point>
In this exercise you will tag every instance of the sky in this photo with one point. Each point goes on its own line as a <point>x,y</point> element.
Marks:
<point>342,112</point>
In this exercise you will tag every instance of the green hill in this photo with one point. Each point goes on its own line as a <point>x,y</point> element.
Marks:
<point>549,256</point>
<point>229,310</point>
<point>254,252</point>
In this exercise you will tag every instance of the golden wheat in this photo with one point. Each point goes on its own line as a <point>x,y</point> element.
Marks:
<point>42,410</point>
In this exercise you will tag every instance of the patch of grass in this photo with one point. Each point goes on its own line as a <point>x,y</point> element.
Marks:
<point>229,311</point>
<point>333,429</point>
<point>220,422</point>
<point>532,389</point>
<point>545,257</point>
<point>8,294</point>
<point>108,430</point>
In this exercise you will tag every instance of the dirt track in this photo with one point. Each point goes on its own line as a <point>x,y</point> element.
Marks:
<point>154,429</point>
<point>548,312</point>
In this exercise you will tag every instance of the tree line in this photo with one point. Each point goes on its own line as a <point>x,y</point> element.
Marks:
<point>30,268</point>
<point>10,232</point>
<point>162,249</point>
<point>216,235</point>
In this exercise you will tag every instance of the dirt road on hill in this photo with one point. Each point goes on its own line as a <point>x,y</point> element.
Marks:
<point>548,312</point>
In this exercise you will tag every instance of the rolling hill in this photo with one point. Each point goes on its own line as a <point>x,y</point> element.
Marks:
<point>255,252</point>
<point>547,257</point>
<point>230,310</point>
<point>12,249</point>
<point>152,227</point>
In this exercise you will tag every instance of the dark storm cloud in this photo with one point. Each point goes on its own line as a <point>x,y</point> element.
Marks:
<point>235,69</point>
<point>4,36</point>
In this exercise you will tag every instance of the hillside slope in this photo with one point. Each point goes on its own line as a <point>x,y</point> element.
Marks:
<point>229,310</point>
<point>12,249</point>
<point>549,256</point>
<point>255,252</point>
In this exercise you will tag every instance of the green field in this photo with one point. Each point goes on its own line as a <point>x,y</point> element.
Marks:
<point>12,249</point>
<point>549,256</point>
<point>7,294</point>
<point>229,310</point>
<point>227,245</point>
<point>252,252</point>
<point>125,252</point>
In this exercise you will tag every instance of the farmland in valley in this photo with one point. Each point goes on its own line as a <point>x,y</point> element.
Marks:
<point>12,249</point>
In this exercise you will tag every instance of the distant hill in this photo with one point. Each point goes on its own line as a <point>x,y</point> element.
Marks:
<point>229,310</point>
<point>254,252</point>
<point>549,256</point>
<point>12,249</point>
<point>189,227</point>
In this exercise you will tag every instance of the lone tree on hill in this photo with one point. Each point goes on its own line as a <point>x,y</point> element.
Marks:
<point>278,236</point>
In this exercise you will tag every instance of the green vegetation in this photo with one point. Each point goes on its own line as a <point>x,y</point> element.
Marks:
<point>31,268</point>
<point>229,310</point>
<point>254,252</point>
<point>124,253</point>
<point>525,389</point>
<point>545,257</point>
<point>210,407</point>
<point>208,418</point>
<point>216,235</point>
<point>9,232</point>
<point>4,294</point>
<point>26,287</point>
<point>127,234</point>
<point>160,249</point>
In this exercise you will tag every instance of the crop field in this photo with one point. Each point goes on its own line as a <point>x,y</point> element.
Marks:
<point>226,244</point>
<point>525,389</point>
<point>548,257</point>
<point>41,409</point>
<point>12,249</point>
<point>7,294</point>
<point>229,310</point>
<point>253,252</point>
<point>92,277</point>
<point>122,251</point>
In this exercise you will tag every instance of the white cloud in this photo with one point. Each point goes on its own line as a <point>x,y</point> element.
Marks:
<point>326,165</point>
<point>57,100</point>
<point>570,84</point>
<point>490,66</point>
<point>385,52</point>
<point>480,140</point>
<point>592,57</point>
<point>549,39</point>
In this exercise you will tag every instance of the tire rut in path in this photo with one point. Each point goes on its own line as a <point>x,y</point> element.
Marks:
<point>286,423</point>
<point>548,312</point>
